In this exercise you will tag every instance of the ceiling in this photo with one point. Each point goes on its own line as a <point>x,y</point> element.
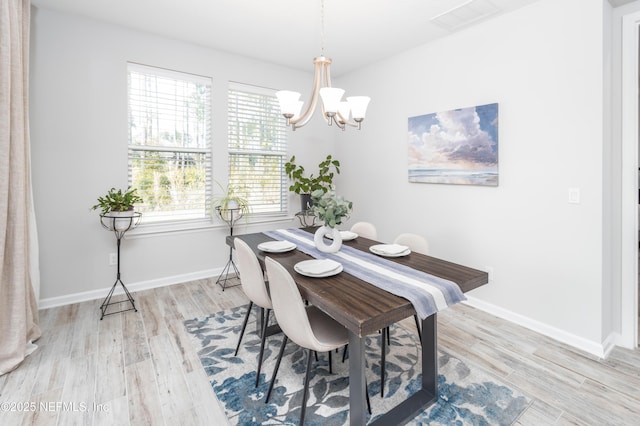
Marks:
<point>289,32</point>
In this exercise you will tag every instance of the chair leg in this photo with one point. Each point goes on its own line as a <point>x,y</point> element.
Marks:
<point>415,317</point>
<point>305,393</point>
<point>244,326</point>
<point>383,356</point>
<point>330,364</point>
<point>366,386</point>
<point>344,352</point>
<point>275,369</point>
<point>262,341</point>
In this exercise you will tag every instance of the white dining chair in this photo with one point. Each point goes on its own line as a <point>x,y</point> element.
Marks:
<point>254,287</point>
<point>415,242</point>
<point>365,230</point>
<point>305,325</point>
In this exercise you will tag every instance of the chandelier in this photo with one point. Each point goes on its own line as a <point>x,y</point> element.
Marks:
<point>334,110</point>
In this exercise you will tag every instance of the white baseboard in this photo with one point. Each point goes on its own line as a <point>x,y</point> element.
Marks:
<point>613,340</point>
<point>601,350</point>
<point>84,296</point>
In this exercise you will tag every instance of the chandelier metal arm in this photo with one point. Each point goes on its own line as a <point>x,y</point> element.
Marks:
<point>345,122</point>
<point>335,119</point>
<point>321,72</point>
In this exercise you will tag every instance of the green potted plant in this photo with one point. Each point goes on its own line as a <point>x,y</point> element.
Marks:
<point>305,185</point>
<point>118,201</point>
<point>331,209</point>
<point>117,208</point>
<point>233,198</point>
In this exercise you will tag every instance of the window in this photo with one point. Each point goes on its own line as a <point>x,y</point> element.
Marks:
<point>170,143</point>
<point>257,148</point>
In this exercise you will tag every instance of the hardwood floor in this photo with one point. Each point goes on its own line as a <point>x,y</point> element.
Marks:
<point>139,368</point>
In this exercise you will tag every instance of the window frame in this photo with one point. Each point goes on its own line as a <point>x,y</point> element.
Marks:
<point>281,152</point>
<point>174,223</point>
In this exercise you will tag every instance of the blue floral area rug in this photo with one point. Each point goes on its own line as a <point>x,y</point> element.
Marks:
<point>466,396</point>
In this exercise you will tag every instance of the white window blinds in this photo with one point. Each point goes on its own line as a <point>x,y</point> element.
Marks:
<point>170,143</point>
<point>257,148</point>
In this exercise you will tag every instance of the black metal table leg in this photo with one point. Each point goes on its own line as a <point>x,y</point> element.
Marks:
<point>428,393</point>
<point>357,389</point>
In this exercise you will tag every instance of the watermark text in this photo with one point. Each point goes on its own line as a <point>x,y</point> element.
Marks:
<point>53,406</point>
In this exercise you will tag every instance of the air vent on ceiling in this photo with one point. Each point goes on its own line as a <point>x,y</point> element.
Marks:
<point>465,14</point>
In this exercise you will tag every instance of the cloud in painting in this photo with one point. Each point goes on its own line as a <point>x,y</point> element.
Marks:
<point>462,138</point>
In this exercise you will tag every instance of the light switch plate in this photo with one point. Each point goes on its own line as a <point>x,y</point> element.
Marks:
<point>574,195</point>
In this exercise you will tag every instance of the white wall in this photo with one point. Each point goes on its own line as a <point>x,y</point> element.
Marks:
<point>543,64</point>
<point>79,150</point>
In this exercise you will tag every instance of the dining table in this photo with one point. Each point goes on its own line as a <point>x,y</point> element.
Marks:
<point>364,309</point>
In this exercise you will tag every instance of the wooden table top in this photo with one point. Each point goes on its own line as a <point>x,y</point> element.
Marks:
<point>362,307</point>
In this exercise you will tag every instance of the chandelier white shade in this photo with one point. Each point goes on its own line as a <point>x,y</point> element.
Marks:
<point>334,110</point>
<point>350,112</point>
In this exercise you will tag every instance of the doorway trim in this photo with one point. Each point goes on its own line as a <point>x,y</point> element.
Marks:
<point>629,204</point>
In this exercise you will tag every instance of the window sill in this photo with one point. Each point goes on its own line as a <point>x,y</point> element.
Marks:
<point>153,229</point>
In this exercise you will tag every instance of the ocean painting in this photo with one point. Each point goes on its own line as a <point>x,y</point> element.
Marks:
<point>455,147</point>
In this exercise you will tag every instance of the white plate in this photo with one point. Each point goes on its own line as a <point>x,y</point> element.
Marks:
<point>346,235</point>
<point>318,268</point>
<point>276,246</point>
<point>390,250</point>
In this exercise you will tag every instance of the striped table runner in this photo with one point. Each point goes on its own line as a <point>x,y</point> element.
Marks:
<point>428,294</point>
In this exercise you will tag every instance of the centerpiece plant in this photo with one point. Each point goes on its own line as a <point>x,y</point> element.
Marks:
<point>331,209</point>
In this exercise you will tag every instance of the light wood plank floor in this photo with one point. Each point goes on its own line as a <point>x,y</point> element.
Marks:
<point>139,368</point>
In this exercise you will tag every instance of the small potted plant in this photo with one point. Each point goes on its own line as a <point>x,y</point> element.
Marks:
<point>232,204</point>
<point>117,202</point>
<point>331,209</point>
<point>304,185</point>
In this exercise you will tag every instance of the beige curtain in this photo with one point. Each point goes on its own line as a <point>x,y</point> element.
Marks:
<point>18,252</point>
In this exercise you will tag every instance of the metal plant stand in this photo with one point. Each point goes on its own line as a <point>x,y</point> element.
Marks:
<point>119,224</point>
<point>230,216</point>
<point>307,218</point>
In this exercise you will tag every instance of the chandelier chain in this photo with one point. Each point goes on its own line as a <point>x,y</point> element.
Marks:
<point>322,27</point>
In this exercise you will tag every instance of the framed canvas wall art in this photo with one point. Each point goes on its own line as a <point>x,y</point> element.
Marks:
<point>455,147</point>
